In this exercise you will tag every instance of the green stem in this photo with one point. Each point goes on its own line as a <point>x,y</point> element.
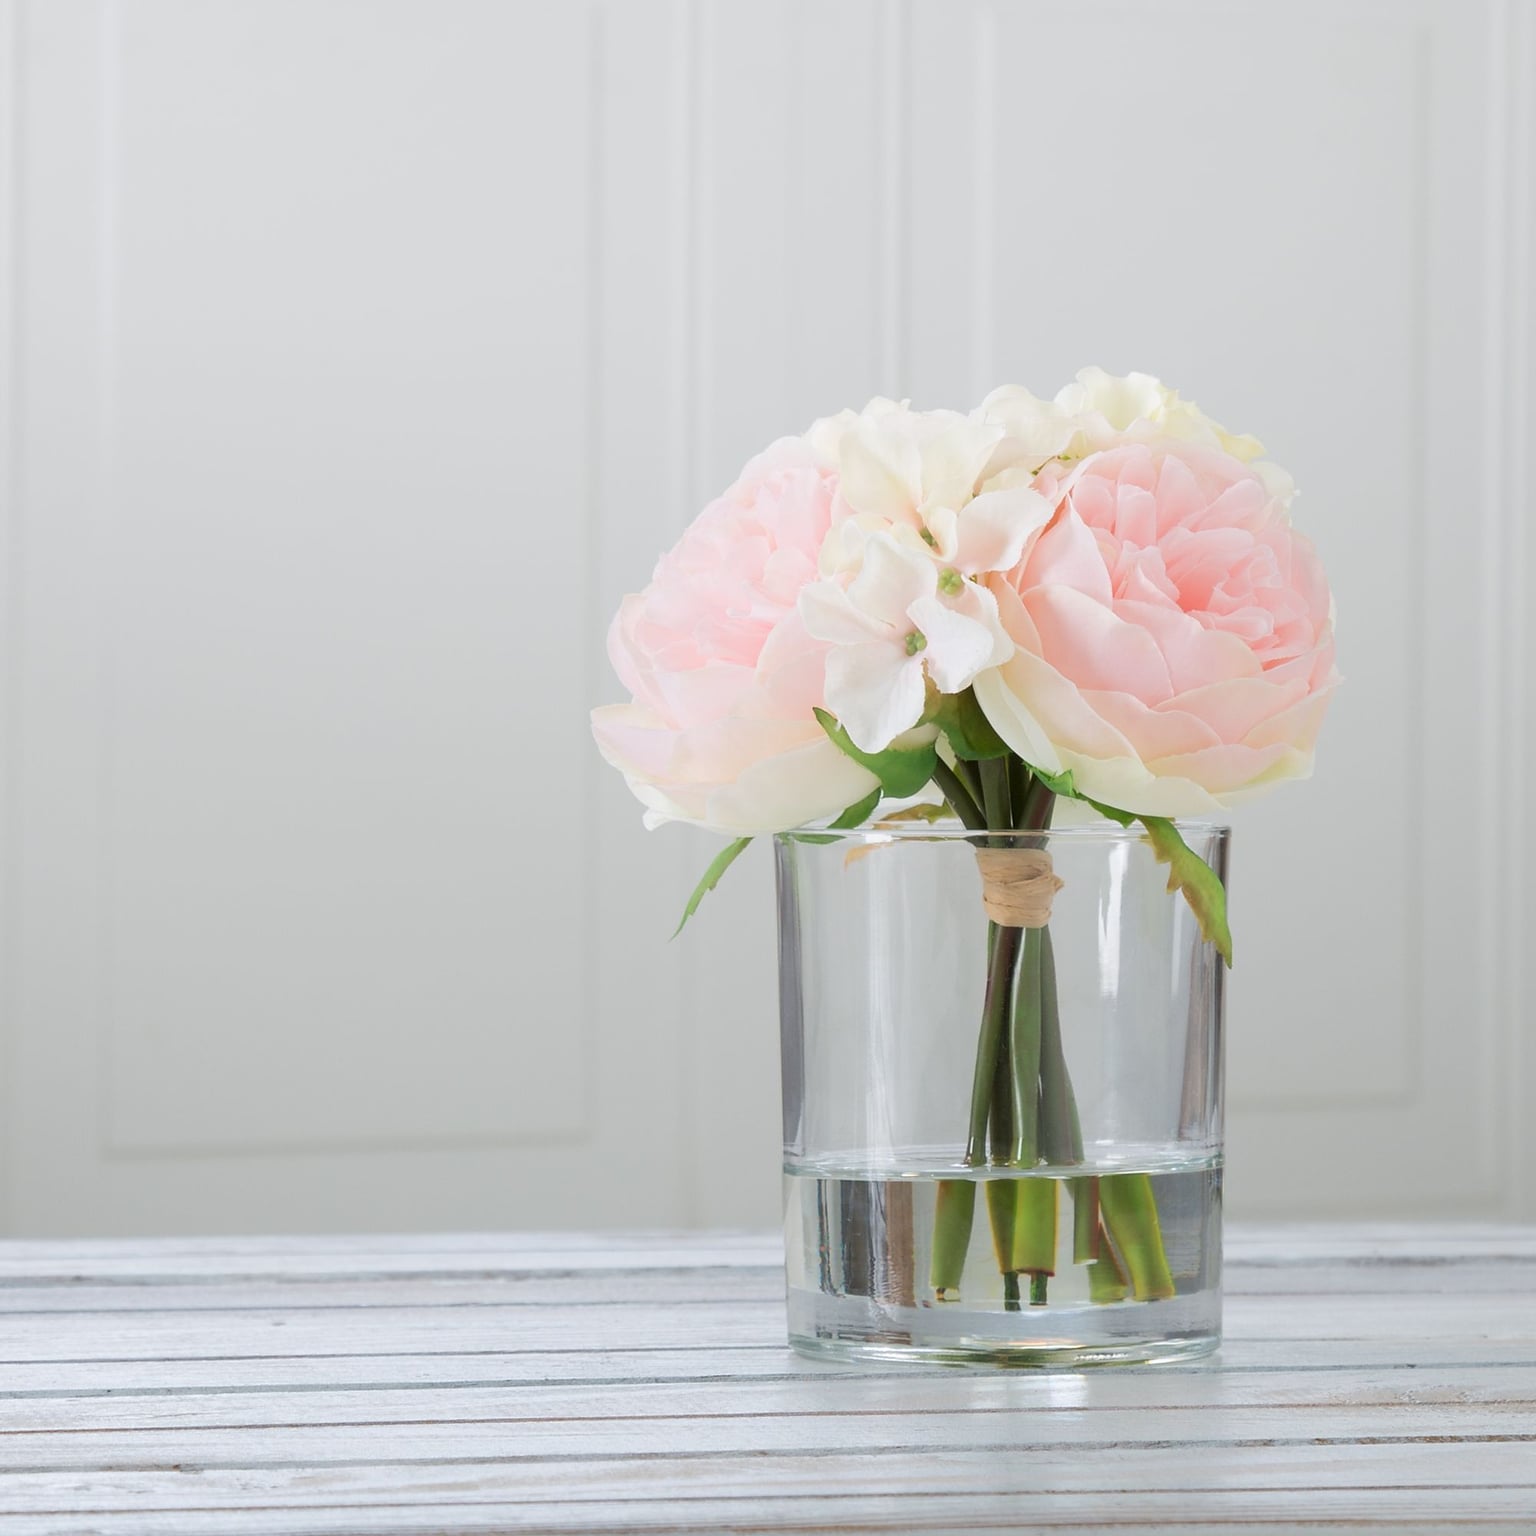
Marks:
<point>1061,1132</point>
<point>1034,1228</point>
<point>1039,804</point>
<point>1085,1220</point>
<point>1000,1212</point>
<point>1000,1192</point>
<point>1130,1218</point>
<point>967,774</point>
<point>1035,1218</point>
<point>1004,948</point>
<point>953,1216</point>
<point>1000,1117</point>
<point>1025,1050</point>
<point>1020,781</point>
<point>1006,1090</point>
<point>958,796</point>
<point>1105,1281</point>
<point>994,794</point>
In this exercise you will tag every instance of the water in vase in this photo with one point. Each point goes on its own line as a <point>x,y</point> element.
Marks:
<point>1070,1266</point>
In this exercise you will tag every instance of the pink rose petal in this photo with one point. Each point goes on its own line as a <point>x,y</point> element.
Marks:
<point>1173,634</point>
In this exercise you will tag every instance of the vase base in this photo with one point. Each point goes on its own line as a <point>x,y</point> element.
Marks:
<point>999,1354</point>
<point>1066,1337</point>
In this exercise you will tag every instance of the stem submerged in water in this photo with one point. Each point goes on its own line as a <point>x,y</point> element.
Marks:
<point>1085,1220</point>
<point>1034,1227</point>
<point>1023,1109</point>
<point>953,1215</point>
<point>1130,1217</point>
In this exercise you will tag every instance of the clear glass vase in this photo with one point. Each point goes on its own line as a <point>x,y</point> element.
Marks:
<point>1001,1143</point>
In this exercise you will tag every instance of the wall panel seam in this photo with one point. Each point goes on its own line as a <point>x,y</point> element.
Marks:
<point>103,524</point>
<point>11,107</point>
<point>892,348</point>
<point>1415,929</point>
<point>687,471</point>
<point>1517,503</point>
<point>984,62</point>
<point>593,873</point>
<point>1499,626</point>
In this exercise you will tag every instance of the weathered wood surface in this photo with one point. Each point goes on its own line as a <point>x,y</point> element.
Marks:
<point>1379,1378</point>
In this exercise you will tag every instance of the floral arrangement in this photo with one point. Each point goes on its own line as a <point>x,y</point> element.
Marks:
<point>1101,594</point>
<point>1097,598</point>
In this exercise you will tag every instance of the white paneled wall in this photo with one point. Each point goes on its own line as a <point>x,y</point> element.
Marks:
<point>357,355</point>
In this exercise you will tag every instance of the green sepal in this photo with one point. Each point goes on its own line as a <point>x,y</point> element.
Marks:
<point>970,733</point>
<point>902,771</point>
<point>1188,872</point>
<point>721,862</point>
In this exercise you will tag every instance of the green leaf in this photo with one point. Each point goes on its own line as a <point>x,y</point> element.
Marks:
<point>1058,783</point>
<point>721,862</point>
<point>1189,873</point>
<point>1125,818</point>
<point>928,813</point>
<point>961,718</point>
<point>902,771</point>
<point>857,814</point>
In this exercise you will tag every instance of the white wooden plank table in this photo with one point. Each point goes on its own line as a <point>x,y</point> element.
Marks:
<point>1376,1378</point>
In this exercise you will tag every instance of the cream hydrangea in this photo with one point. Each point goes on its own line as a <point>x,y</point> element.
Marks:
<point>1098,410</point>
<point>925,510</point>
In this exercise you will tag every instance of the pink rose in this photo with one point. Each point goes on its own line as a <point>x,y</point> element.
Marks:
<point>724,676</point>
<point>1174,634</point>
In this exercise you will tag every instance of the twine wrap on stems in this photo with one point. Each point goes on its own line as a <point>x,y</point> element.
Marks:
<point>1018,886</point>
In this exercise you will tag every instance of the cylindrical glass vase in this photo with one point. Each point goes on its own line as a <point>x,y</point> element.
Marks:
<point>1001,1143</point>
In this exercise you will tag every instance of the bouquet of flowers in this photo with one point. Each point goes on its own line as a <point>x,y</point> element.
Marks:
<point>1097,598</point>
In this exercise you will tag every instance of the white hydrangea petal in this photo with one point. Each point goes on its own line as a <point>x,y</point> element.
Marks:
<point>828,614</point>
<point>957,647</point>
<point>891,579</point>
<point>869,479</point>
<point>825,437</point>
<point>992,530</point>
<point>943,525</point>
<point>876,691</point>
<point>843,548</point>
<point>953,457</point>
<point>979,604</point>
<point>1120,400</point>
<point>1037,430</point>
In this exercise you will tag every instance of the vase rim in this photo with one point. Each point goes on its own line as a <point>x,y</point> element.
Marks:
<point>954,831</point>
